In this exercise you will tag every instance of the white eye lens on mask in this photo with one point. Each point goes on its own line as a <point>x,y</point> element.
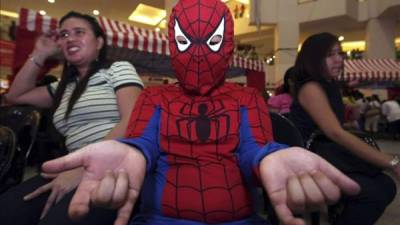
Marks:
<point>181,40</point>
<point>215,41</point>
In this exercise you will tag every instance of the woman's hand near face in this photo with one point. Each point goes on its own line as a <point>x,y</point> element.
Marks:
<point>46,46</point>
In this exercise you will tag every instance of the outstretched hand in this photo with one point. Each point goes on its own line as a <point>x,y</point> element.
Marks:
<point>112,177</point>
<point>59,186</point>
<point>297,180</point>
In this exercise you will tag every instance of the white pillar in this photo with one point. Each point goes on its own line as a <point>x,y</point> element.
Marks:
<point>381,33</point>
<point>169,4</point>
<point>286,37</point>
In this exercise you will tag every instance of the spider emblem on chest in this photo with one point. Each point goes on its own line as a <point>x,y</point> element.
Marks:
<point>203,121</point>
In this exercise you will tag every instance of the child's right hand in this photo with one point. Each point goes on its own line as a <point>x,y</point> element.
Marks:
<point>112,177</point>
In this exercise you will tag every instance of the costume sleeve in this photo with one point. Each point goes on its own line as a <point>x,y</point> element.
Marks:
<point>256,140</point>
<point>143,129</point>
<point>122,74</point>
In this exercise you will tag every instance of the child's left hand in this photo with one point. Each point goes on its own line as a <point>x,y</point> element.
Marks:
<point>298,180</point>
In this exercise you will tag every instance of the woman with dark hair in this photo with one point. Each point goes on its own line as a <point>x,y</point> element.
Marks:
<point>318,106</point>
<point>91,102</point>
<point>282,101</point>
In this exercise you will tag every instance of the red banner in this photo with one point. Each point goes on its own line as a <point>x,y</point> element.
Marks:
<point>7,49</point>
<point>255,79</point>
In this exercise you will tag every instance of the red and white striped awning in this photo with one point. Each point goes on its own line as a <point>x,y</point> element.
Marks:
<point>31,20</point>
<point>124,36</point>
<point>240,62</point>
<point>371,70</point>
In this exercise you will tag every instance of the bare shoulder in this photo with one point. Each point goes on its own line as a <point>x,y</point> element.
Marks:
<point>312,91</point>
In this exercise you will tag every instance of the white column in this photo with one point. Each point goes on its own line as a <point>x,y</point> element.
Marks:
<point>286,37</point>
<point>381,33</point>
<point>169,4</point>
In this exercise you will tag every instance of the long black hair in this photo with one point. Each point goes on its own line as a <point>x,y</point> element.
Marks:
<point>70,72</point>
<point>287,78</point>
<point>310,62</point>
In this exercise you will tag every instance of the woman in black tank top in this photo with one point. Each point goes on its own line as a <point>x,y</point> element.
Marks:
<point>318,106</point>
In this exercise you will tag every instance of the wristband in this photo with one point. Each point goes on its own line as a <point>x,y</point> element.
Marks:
<point>395,161</point>
<point>32,58</point>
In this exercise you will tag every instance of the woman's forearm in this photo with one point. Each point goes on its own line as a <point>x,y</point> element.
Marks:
<point>118,131</point>
<point>361,149</point>
<point>25,79</point>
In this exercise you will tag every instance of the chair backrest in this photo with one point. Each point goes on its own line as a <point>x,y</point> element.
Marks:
<point>24,121</point>
<point>318,134</point>
<point>285,132</point>
<point>7,150</point>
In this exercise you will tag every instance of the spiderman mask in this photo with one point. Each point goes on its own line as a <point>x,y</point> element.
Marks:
<point>201,44</point>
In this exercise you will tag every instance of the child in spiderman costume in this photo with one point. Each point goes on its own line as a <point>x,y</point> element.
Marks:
<point>197,150</point>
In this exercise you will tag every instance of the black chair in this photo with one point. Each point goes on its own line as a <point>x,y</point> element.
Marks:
<point>23,121</point>
<point>285,131</point>
<point>7,152</point>
<point>50,143</point>
<point>318,134</point>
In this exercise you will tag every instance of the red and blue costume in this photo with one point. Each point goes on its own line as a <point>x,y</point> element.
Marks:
<point>202,138</point>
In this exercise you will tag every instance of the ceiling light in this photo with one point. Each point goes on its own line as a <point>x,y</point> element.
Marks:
<point>96,12</point>
<point>9,13</point>
<point>240,1</point>
<point>51,1</point>
<point>147,14</point>
<point>42,12</point>
<point>243,1</point>
<point>163,24</point>
<point>350,45</point>
<point>157,29</point>
<point>340,38</point>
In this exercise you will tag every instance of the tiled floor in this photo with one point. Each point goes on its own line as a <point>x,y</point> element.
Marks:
<point>392,213</point>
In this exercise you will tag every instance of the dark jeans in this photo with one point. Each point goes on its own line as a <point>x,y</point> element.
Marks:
<point>377,189</point>
<point>365,208</point>
<point>394,127</point>
<point>15,211</point>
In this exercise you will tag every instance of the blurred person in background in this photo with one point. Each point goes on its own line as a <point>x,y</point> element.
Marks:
<point>391,112</point>
<point>282,101</point>
<point>351,109</point>
<point>362,104</point>
<point>372,114</point>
